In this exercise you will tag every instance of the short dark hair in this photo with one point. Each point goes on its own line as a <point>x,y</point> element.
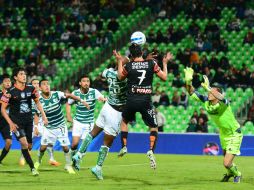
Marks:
<point>4,76</point>
<point>83,76</point>
<point>16,71</point>
<point>42,81</point>
<point>135,50</point>
<point>34,80</point>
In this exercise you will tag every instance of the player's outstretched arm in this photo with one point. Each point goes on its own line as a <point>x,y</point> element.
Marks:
<point>69,95</point>
<point>163,74</point>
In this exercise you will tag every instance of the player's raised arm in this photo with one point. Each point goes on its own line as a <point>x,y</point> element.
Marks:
<point>121,72</point>
<point>162,74</point>
<point>188,76</point>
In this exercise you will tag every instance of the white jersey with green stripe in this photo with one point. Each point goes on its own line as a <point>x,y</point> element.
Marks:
<point>83,115</point>
<point>53,109</point>
<point>117,88</point>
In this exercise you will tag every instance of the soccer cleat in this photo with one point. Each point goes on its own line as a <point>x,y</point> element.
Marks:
<point>97,173</point>
<point>35,172</point>
<point>122,152</point>
<point>37,165</point>
<point>69,169</point>
<point>237,179</point>
<point>76,160</point>
<point>54,163</point>
<point>151,157</point>
<point>22,161</point>
<point>226,177</point>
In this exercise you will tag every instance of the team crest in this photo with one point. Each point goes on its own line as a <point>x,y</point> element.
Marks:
<point>23,95</point>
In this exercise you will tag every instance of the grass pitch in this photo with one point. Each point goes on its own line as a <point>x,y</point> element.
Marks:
<point>174,172</point>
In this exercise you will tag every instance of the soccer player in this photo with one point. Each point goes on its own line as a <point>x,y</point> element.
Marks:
<point>219,110</point>
<point>108,121</point>
<point>38,126</point>
<point>83,121</point>
<point>56,128</point>
<point>4,127</point>
<point>19,99</point>
<point>139,74</point>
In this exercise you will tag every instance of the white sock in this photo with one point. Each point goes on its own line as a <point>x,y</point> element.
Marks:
<point>50,153</point>
<point>98,167</point>
<point>68,158</point>
<point>40,155</point>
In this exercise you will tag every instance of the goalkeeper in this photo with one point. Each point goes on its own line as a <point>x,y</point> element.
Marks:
<point>219,110</point>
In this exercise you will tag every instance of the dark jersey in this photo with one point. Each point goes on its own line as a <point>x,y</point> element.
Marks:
<point>140,79</point>
<point>3,122</point>
<point>20,103</point>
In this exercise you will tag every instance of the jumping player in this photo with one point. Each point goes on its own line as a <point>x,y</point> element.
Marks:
<point>219,110</point>
<point>108,121</point>
<point>139,74</point>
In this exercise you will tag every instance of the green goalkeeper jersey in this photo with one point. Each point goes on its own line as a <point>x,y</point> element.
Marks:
<point>221,113</point>
<point>117,88</point>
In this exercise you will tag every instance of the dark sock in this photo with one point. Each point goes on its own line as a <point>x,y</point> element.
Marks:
<point>124,135</point>
<point>3,154</point>
<point>28,158</point>
<point>153,139</point>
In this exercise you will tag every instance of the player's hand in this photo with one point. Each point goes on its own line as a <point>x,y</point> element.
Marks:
<point>117,55</point>
<point>69,119</point>
<point>13,127</point>
<point>102,99</point>
<point>85,104</point>
<point>151,56</point>
<point>45,121</point>
<point>188,75</point>
<point>36,131</point>
<point>206,84</point>
<point>167,57</point>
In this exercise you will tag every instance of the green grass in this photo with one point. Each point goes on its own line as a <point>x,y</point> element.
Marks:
<point>174,172</point>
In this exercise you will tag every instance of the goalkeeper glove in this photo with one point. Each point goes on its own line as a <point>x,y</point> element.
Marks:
<point>206,84</point>
<point>188,75</point>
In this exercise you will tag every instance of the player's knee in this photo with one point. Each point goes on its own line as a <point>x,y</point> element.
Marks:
<point>66,149</point>
<point>24,145</point>
<point>74,146</point>
<point>8,144</point>
<point>227,164</point>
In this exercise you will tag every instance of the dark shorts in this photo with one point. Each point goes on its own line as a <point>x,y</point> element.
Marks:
<point>25,131</point>
<point>5,130</point>
<point>145,108</point>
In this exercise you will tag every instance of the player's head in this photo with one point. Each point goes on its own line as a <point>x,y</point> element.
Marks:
<point>211,97</point>
<point>44,86</point>
<point>135,51</point>
<point>19,75</point>
<point>6,81</point>
<point>84,82</point>
<point>35,83</point>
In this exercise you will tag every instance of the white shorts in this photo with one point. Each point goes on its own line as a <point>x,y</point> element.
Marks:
<point>81,129</point>
<point>50,136</point>
<point>109,120</point>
